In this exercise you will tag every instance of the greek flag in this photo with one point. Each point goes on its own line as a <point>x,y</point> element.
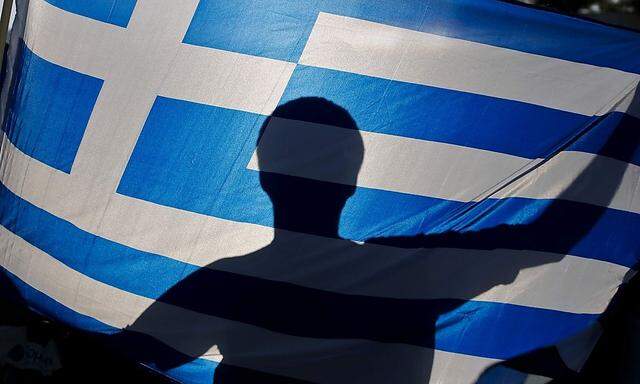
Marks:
<point>326,191</point>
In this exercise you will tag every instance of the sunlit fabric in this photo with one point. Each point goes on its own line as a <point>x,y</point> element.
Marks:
<point>327,191</point>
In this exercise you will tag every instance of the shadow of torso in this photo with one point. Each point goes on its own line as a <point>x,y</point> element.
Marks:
<point>330,309</point>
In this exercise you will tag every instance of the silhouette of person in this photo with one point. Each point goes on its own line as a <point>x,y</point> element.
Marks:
<point>302,306</point>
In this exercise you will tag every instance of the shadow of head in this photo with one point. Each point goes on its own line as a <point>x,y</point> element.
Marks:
<point>309,155</point>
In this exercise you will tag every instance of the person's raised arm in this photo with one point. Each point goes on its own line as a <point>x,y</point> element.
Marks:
<point>559,237</point>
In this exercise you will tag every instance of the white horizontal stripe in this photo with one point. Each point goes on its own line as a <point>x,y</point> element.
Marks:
<point>557,177</point>
<point>72,41</point>
<point>227,79</point>
<point>318,360</point>
<point>537,279</point>
<point>393,163</point>
<point>379,50</point>
<point>572,284</point>
<point>443,170</point>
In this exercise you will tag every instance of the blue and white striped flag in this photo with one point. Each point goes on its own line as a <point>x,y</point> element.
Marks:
<point>390,191</point>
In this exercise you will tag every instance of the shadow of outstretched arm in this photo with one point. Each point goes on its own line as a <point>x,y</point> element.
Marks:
<point>559,239</point>
<point>623,142</point>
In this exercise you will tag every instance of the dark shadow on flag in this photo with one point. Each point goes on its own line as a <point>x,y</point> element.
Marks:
<point>274,330</point>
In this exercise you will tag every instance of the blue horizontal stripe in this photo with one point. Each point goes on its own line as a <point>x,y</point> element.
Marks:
<point>189,157</point>
<point>48,110</point>
<point>117,12</point>
<point>280,29</point>
<point>429,113</point>
<point>288,308</point>
<point>130,344</point>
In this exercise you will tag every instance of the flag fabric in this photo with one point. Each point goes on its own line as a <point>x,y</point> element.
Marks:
<point>324,191</point>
